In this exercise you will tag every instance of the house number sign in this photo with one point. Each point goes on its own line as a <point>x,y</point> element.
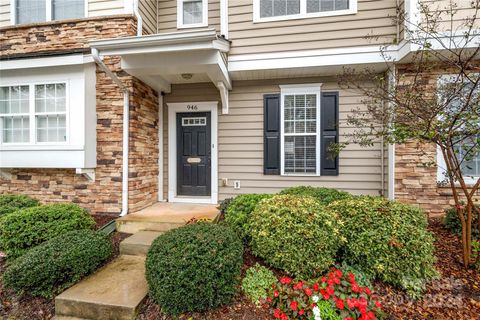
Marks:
<point>192,107</point>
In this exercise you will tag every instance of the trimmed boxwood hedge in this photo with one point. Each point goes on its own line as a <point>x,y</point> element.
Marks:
<point>388,240</point>
<point>57,263</point>
<point>296,234</point>
<point>26,228</point>
<point>12,202</point>
<point>194,268</point>
<point>323,195</point>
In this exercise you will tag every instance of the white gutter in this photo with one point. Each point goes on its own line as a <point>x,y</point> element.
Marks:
<point>126,119</point>
<point>136,12</point>
<point>391,147</point>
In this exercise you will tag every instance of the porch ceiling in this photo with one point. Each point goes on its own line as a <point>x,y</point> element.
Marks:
<point>160,60</point>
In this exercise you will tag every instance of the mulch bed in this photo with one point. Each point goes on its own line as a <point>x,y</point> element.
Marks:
<point>456,295</point>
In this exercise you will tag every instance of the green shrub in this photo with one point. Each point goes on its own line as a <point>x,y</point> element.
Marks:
<point>194,268</point>
<point>239,210</point>
<point>257,282</point>
<point>323,195</point>
<point>12,202</point>
<point>26,228</point>
<point>57,263</point>
<point>388,240</point>
<point>453,224</point>
<point>363,279</point>
<point>296,234</point>
<point>327,311</point>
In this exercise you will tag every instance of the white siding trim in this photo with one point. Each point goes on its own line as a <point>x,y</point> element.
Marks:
<point>173,109</point>
<point>160,146</point>
<point>303,12</point>
<point>224,18</point>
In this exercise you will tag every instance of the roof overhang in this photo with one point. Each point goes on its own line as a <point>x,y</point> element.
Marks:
<point>163,59</point>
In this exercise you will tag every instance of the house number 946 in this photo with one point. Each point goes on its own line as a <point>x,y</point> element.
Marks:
<point>192,107</point>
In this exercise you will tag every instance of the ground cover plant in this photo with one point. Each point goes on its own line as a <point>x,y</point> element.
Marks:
<point>57,263</point>
<point>29,227</point>
<point>257,283</point>
<point>194,268</point>
<point>291,231</point>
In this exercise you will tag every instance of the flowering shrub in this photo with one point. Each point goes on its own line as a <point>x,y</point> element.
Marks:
<point>296,234</point>
<point>348,301</point>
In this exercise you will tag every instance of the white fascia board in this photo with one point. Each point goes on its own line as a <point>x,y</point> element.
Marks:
<point>54,61</point>
<point>317,58</point>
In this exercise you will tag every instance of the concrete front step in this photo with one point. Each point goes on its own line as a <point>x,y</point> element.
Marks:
<point>138,243</point>
<point>164,216</point>
<point>115,292</point>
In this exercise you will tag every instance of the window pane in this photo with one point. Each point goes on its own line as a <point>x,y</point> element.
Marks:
<point>15,129</point>
<point>50,98</point>
<point>275,8</point>
<point>68,9</point>
<point>326,5</point>
<point>300,113</point>
<point>29,11</point>
<point>471,159</point>
<point>300,154</point>
<point>14,100</point>
<point>192,12</point>
<point>51,128</point>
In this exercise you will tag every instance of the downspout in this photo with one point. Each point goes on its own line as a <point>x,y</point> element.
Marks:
<point>392,76</point>
<point>126,119</point>
<point>136,12</point>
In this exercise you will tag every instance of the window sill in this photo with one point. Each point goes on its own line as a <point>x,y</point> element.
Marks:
<point>191,26</point>
<point>40,147</point>
<point>306,16</point>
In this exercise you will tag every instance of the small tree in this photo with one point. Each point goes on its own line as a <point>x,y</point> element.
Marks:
<point>432,98</point>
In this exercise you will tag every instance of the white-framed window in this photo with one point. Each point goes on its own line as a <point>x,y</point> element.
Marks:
<point>467,149</point>
<point>300,129</point>
<point>32,11</point>
<point>192,13</point>
<point>34,113</point>
<point>274,10</point>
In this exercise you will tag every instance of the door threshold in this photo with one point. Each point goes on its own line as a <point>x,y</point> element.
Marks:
<point>188,199</point>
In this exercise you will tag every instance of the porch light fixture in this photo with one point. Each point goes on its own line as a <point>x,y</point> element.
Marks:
<point>187,76</point>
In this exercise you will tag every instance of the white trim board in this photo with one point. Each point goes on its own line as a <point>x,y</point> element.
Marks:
<point>173,109</point>
<point>181,25</point>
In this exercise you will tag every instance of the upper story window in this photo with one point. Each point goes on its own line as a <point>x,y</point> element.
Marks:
<point>273,10</point>
<point>192,13</point>
<point>31,11</point>
<point>33,113</point>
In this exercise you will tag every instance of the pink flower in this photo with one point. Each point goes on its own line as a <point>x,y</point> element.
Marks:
<point>275,294</point>
<point>301,312</point>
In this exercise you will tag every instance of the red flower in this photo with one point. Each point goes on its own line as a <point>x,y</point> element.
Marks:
<point>351,277</point>
<point>285,280</point>
<point>301,312</point>
<point>378,304</point>
<point>294,305</point>
<point>351,303</point>
<point>276,313</point>
<point>348,318</point>
<point>269,299</point>
<point>308,291</point>
<point>330,291</point>
<point>367,291</point>
<point>283,317</point>
<point>355,288</point>
<point>323,279</point>
<point>298,286</point>
<point>370,315</point>
<point>336,280</point>
<point>316,287</point>
<point>338,272</point>
<point>340,304</point>
<point>275,294</point>
<point>330,282</point>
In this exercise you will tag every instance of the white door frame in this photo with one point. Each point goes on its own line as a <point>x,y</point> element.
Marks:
<point>173,109</point>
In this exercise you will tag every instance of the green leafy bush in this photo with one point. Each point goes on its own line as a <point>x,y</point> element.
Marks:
<point>239,210</point>
<point>26,228</point>
<point>453,224</point>
<point>296,234</point>
<point>257,283</point>
<point>388,240</point>
<point>323,195</point>
<point>12,202</point>
<point>363,279</point>
<point>194,268</point>
<point>327,312</point>
<point>57,263</point>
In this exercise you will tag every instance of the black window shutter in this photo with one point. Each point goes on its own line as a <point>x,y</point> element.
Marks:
<point>329,132</point>
<point>271,132</point>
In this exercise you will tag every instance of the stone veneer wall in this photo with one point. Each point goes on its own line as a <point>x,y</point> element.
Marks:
<point>415,169</point>
<point>102,196</point>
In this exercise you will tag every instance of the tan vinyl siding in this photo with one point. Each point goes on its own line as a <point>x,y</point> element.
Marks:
<point>240,140</point>
<point>463,11</point>
<point>167,15</point>
<point>4,13</point>
<point>105,7</point>
<point>374,18</point>
<point>148,11</point>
